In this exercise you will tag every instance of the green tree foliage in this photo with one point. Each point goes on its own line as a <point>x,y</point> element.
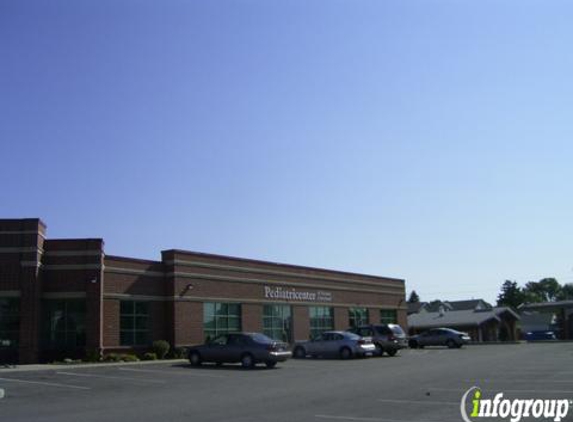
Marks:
<point>566,292</point>
<point>414,298</point>
<point>511,295</point>
<point>544,290</point>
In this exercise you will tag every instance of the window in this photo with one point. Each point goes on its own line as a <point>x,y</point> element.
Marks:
<point>321,319</point>
<point>9,322</point>
<point>134,323</point>
<point>357,317</point>
<point>388,316</point>
<point>220,318</point>
<point>65,325</point>
<point>277,322</point>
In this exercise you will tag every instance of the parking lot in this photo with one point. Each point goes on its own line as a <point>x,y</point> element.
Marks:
<point>418,386</point>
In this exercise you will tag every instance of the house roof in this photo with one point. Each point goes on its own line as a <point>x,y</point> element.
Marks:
<point>457,318</point>
<point>455,305</point>
<point>414,307</point>
<point>547,305</point>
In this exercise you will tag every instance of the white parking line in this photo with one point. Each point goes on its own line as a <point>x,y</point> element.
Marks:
<point>510,381</point>
<point>463,389</point>
<point>172,372</point>
<point>75,374</point>
<point>358,418</point>
<point>49,384</point>
<point>446,403</point>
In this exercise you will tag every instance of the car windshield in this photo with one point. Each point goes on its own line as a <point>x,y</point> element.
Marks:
<point>261,338</point>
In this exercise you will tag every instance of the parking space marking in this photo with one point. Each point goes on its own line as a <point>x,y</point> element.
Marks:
<point>365,419</point>
<point>464,389</point>
<point>510,381</point>
<point>144,380</point>
<point>171,372</point>
<point>445,403</point>
<point>48,384</point>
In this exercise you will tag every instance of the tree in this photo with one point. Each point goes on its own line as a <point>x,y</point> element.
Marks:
<point>566,292</point>
<point>544,290</point>
<point>414,298</point>
<point>511,295</point>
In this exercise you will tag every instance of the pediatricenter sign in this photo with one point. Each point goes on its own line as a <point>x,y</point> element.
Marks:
<point>513,410</point>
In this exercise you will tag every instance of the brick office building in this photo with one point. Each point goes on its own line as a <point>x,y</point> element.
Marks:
<point>65,297</point>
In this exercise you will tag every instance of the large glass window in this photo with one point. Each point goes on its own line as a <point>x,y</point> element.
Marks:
<point>388,316</point>
<point>357,317</point>
<point>277,322</point>
<point>65,323</point>
<point>321,319</point>
<point>9,322</point>
<point>134,323</point>
<point>220,318</point>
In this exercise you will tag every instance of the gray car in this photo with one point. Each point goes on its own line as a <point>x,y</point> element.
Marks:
<point>335,344</point>
<point>439,337</point>
<point>246,348</point>
<point>387,338</point>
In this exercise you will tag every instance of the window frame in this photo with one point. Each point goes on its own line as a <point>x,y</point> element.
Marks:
<point>137,336</point>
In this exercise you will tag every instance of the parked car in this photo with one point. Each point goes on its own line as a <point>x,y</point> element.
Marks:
<point>341,344</point>
<point>439,337</point>
<point>387,338</point>
<point>540,335</point>
<point>246,348</point>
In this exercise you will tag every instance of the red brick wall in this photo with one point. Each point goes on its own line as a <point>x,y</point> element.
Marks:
<point>188,328</point>
<point>252,317</point>
<point>341,319</point>
<point>111,323</point>
<point>301,323</point>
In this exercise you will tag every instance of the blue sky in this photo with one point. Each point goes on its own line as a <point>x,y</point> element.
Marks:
<point>427,140</point>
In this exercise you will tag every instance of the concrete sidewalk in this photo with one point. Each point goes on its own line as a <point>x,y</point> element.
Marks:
<point>60,366</point>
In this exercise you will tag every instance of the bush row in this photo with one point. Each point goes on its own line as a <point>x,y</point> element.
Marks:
<point>160,349</point>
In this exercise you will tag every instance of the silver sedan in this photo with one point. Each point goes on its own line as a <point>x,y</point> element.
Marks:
<point>335,344</point>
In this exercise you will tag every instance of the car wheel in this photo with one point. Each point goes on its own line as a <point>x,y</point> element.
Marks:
<point>392,352</point>
<point>345,353</point>
<point>195,359</point>
<point>379,350</point>
<point>451,344</point>
<point>270,364</point>
<point>299,353</point>
<point>413,344</point>
<point>247,361</point>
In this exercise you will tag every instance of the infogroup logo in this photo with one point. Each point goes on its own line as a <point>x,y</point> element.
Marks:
<point>513,409</point>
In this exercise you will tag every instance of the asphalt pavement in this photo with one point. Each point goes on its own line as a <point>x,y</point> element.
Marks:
<point>417,386</point>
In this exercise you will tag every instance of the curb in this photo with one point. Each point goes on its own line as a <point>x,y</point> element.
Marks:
<point>58,366</point>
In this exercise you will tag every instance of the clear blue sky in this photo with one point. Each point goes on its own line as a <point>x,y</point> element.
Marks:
<point>426,140</point>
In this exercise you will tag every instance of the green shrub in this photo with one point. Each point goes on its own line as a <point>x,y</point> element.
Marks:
<point>149,356</point>
<point>129,358</point>
<point>93,355</point>
<point>160,348</point>
<point>112,357</point>
<point>178,353</point>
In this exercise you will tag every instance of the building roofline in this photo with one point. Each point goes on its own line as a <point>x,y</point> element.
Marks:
<point>127,258</point>
<point>280,264</point>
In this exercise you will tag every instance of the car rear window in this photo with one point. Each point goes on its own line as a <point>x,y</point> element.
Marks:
<point>261,338</point>
<point>396,329</point>
<point>351,336</point>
